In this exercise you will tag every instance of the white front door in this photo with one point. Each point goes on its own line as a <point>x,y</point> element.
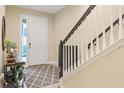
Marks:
<point>38,40</point>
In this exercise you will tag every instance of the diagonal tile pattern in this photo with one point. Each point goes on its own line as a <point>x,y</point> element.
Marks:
<point>41,75</point>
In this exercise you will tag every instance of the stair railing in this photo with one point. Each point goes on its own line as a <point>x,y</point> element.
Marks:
<point>99,28</point>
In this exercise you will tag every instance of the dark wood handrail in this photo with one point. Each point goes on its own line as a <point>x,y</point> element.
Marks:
<point>79,22</point>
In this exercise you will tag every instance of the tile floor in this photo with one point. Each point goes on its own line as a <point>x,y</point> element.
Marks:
<point>41,75</point>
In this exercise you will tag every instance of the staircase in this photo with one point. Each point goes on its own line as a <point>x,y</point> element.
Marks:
<point>98,30</point>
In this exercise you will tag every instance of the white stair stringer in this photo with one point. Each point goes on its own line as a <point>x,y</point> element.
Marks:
<point>55,85</point>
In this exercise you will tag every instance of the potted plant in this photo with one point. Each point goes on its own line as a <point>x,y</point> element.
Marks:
<point>10,50</point>
<point>9,45</point>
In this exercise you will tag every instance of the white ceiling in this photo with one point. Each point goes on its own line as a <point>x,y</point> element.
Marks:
<point>44,8</point>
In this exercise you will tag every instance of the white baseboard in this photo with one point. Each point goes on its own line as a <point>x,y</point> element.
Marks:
<point>48,62</point>
<point>52,62</point>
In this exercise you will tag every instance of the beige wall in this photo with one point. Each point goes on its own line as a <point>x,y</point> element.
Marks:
<point>13,22</point>
<point>2,13</point>
<point>65,21</point>
<point>105,72</point>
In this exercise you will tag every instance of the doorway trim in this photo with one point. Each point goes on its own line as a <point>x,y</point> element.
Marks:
<point>20,39</point>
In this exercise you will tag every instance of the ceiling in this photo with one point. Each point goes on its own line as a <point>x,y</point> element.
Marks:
<point>44,8</point>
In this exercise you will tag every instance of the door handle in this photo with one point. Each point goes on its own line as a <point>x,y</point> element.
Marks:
<point>29,45</point>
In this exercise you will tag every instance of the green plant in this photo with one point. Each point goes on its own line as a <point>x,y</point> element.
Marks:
<point>9,44</point>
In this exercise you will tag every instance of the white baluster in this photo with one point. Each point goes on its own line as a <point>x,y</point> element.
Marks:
<point>82,53</point>
<point>120,22</point>
<point>65,59</point>
<point>111,27</point>
<point>78,45</point>
<point>74,56</point>
<point>91,34</point>
<point>86,44</point>
<point>64,65</point>
<point>68,58</point>
<point>91,49</point>
<point>71,52</point>
<point>78,49</point>
<point>74,35</point>
<point>103,30</point>
<point>71,59</point>
<point>72,43</point>
<point>82,43</point>
<point>97,28</point>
